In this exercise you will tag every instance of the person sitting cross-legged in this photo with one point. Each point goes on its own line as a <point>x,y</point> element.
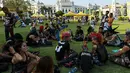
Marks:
<point>79,35</point>
<point>100,55</point>
<point>122,57</point>
<point>112,38</point>
<point>36,39</point>
<point>23,61</point>
<point>63,47</point>
<point>85,60</point>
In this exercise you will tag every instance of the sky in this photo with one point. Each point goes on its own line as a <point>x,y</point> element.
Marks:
<point>85,2</point>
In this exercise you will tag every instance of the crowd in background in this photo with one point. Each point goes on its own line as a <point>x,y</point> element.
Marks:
<point>15,50</point>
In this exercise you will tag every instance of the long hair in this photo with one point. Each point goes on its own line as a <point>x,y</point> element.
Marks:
<point>5,9</point>
<point>18,45</point>
<point>45,65</point>
<point>7,45</point>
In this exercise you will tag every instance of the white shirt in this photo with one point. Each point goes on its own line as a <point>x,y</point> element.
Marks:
<point>92,22</point>
<point>106,26</point>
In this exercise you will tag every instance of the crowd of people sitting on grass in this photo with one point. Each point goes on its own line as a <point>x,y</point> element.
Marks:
<point>15,51</point>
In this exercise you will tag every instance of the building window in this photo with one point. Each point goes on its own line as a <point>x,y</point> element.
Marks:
<point>75,11</point>
<point>51,11</point>
<point>66,10</point>
<point>78,11</point>
<point>63,10</point>
<point>83,11</point>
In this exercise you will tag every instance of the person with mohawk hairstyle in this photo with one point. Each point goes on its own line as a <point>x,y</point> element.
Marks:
<point>99,52</point>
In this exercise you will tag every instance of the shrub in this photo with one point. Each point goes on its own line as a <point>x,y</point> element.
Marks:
<point>122,18</point>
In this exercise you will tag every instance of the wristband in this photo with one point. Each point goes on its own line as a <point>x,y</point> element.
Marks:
<point>14,53</point>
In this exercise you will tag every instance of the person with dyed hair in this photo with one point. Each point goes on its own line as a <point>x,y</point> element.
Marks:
<point>99,51</point>
<point>63,47</point>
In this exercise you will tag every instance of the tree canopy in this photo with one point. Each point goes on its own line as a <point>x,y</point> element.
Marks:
<point>59,13</point>
<point>16,4</point>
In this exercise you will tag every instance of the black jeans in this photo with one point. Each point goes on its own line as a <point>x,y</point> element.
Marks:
<point>7,31</point>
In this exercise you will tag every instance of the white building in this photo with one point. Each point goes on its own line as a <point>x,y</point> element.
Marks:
<point>1,3</point>
<point>66,6</point>
<point>63,5</point>
<point>53,8</point>
<point>34,6</point>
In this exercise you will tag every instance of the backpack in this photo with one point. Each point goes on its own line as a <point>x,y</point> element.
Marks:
<point>69,64</point>
<point>86,62</point>
<point>4,64</point>
<point>56,69</point>
<point>4,67</point>
<point>70,61</point>
<point>102,53</point>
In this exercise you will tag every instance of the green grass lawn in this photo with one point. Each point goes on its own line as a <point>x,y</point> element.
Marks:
<point>108,68</point>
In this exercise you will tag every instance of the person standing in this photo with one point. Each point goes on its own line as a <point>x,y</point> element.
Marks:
<point>8,22</point>
<point>110,20</point>
<point>104,18</point>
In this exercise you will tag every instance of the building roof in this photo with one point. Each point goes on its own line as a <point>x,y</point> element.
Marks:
<point>80,6</point>
<point>50,6</point>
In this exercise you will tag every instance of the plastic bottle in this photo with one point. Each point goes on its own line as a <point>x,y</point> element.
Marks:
<point>73,70</point>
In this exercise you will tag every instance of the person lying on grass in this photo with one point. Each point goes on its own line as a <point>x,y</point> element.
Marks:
<point>24,61</point>
<point>123,56</point>
<point>99,51</point>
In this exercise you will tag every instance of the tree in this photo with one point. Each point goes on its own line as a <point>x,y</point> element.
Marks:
<point>49,9</point>
<point>118,12</point>
<point>43,9</point>
<point>59,13</point>
<point>17,5</point>
<point>21,4</point>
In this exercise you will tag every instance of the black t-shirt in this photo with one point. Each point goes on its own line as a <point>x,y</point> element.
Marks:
<point>128,52</point>
<point>102,53</point>
<point>31,42</point>
<point>9,20</point>
<point>86,62</point>
<point>79,32</point>
<point>7,46</point>
<point>61,49</point>
<point>104,18</point>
